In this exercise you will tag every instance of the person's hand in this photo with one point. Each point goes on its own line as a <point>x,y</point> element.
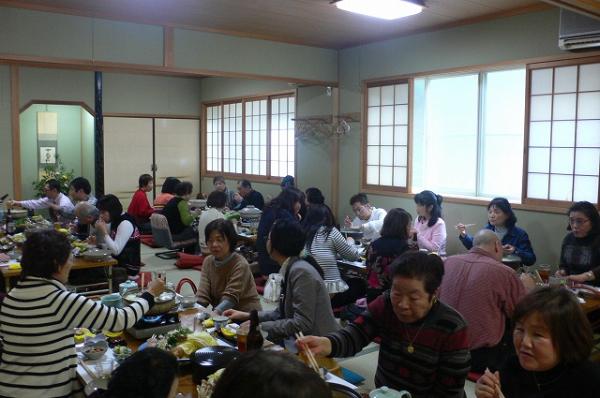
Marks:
<point>12,203</point>
<point>91,240</point>
<point>317,345</point>
<point>350,240</point>
<point>156,287</point>
<point>101,227</point>
<point>348,221</point>
<point>560,273</point>
<point>527,281</point>
<point>237,197</point>
<point>236,315</point>
<point>508,249</point>
<point>462,229</point>
<point>582,278</point>
<point>54,207</point>
<point>488,386</point>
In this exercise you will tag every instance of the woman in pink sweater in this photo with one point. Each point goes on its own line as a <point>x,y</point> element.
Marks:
<point>429,226</point>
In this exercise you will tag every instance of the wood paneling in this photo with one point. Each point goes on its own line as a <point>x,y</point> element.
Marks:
<point>16,132</point>
<point>311,22</point>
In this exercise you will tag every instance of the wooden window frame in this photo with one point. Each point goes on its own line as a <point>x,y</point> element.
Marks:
<point>529,69</point>
<point>383,189</point>
<point>238,176</point>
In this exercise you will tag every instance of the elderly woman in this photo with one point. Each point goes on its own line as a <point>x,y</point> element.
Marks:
<point>304,305</point>
<point>226,281</point>
<point>580,250</point>
<point>38,317</point>
<point>424,346</point>
<point>553,341</point>
<point>502,220</point>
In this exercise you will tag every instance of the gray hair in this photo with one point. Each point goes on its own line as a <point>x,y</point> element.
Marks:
<point>84,209</point>
<point>485,237</point>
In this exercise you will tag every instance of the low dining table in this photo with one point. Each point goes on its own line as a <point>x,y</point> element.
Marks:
<point>78,263</point>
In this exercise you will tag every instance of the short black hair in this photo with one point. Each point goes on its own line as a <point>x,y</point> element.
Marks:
<point>286,200</point>
<point>184,188</point>
<point>287,237</point>
<point>245,184</point>
<point>147,373</point>
<point>287,182</point>
<point>269,374</point>
<point>218,179</point>
<point>169,185</point>
<point>113,206</point>
<point>590,212</point>
<point>53,184</point>
<point>428,198</point>
<point>569,327</point>
<point>504,205</point>
<point>223,227</point>
<point>314,196</point>
<point>395,224</point>
<point>144,180</point>
<point>216,199</point>
<point>80,183</point>
<point>44,252</point>
<point>428,268</point>
<point>360,198</point>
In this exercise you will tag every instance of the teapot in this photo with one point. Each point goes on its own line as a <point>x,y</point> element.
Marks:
<point>386,392</point>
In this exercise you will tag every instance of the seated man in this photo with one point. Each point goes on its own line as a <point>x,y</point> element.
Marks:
<point>248,196</point>
<point>53,200</point>
<point>219,185</point>
<point>368,218</point>
<point>140,208</point>
<point>79,191</point>
<point>485,292</point>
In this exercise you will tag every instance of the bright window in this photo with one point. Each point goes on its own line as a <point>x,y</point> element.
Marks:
<point>251,137</point>
<point>468,134</point>
<point>564,133</point>
<point>387,136</point>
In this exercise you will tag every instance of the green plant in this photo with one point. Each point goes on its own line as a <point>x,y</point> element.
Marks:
<point>56,171</point>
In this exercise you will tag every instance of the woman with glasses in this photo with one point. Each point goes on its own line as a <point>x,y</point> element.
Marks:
<point>580,251</point>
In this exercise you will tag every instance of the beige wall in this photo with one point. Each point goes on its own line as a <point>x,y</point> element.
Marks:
<point>6,177</point>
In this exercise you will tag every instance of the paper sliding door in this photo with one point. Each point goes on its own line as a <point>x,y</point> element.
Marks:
<point>128,145</point>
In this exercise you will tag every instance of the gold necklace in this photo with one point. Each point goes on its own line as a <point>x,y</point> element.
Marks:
<point>411,348</point>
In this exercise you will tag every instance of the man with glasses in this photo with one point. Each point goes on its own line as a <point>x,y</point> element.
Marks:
<point>580,251</point>
<point>368,218</point>
<point>53,197</point>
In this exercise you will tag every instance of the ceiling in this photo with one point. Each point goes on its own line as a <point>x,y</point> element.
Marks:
<point>311,22</point>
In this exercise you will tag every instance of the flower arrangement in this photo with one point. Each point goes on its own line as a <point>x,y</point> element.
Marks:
<point>55,171</point>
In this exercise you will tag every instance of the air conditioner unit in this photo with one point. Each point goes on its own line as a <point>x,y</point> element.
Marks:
<point>578,32</point>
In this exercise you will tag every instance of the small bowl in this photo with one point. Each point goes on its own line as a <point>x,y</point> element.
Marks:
<point>188,301</point>
<point>121,353</point>
<point>94,349</point>
<point>220,321</point>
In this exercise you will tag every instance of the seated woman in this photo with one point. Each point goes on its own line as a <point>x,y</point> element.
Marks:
<point>167,192</point>
<point>429,226</point>
<point>502,220</point>
<point>178,213</point>
<point>39,314</point>
<point>580,250</point>
<point>325,243</point>
<point>215,206</point>
<point>269,374</point>
<point>285,206</point>
<point>226,280</point>
<point>424,346</point>
<point>383,251</point>
<point>148,373</point>
<point>119,233</point>
<point>553,341</point>
<point>304,306</point>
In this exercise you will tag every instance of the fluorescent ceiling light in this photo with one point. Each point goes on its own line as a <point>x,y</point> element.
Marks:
<point>385,9</point>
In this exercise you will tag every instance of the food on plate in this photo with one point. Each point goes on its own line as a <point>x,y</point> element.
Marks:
<point>229,331</point>
<point>81,334</point>
<point>205,390</point>
<point>18,238</point>
<point>208,323</point>
<point>121,353</point>
<point>194,342</point>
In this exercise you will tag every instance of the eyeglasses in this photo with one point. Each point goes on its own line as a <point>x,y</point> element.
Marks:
<point>578,221</point>
<point>358,210</point>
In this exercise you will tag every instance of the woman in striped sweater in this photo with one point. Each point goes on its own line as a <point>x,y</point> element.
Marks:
<point>38,317</point>
<point>424,347</point>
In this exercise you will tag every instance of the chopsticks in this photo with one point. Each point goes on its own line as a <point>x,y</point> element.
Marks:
<point>466,225</point>
<point>311,358</point>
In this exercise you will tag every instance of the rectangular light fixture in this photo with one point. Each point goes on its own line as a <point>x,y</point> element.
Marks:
<point>384,9</point>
